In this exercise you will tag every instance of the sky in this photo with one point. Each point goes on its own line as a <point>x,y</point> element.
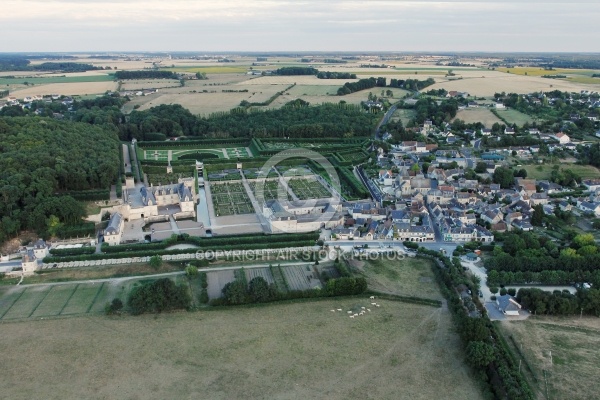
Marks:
<point>298,25</point>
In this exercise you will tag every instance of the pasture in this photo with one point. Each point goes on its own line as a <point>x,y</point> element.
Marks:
<point>292,351</point>
<point>480,114</point>
<point>544,171</point>
<point>405,277</point>
<point>564,352</point>
<point>404,115</point>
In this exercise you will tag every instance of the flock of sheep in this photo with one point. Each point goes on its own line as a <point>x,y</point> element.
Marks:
<point>363,310</point>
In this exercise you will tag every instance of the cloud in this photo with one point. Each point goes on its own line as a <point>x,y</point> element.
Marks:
<point>263,25</point>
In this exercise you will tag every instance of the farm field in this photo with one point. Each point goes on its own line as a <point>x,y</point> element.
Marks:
<point>536,71</point>
<point>405,277</point>
<point>45,79</point>
<point>289,351</point>
<point>481,114</point>
<point>136,84</point>
<point>71,89</point>
<point>575,347</point>
<point>230,198</point>
<point>544,171</point>
<point>306,188</point>
<point>19,303</point>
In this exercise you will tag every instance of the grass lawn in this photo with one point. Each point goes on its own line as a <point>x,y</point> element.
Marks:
<point>292,351</point>
<point>404,115</point>
<point>516,117</point>
<point>544,171</point>
<point>406,277</point>
<point>575,346</point>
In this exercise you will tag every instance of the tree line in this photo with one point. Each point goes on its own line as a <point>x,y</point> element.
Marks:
<point>145,74</point>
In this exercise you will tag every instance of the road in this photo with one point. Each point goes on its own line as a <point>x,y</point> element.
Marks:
<point>477,144</point>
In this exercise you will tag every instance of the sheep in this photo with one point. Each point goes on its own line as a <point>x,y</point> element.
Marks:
<point>356,315</point>
<point>377,305</point>
<point>372,297</point>
<point>339,309</point>
<point>349,312</point>
<point>368,309</point>
<point>363,308</point>
<point>332,310</point>
<point>352,316</point>
<point>361,313</point>
<point>373,304</point>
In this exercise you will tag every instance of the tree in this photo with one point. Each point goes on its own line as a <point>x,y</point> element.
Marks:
<point>480,354</point>
<point>156,261</point>
<point>259,290</point>
<point>537,218</point>
<point>53,225</point>
<point>191,271</point>
<point>504,177</point>
<point>235,292</point>
<point>113,307</point>
<point>481,167</point>
<point>583,239</point>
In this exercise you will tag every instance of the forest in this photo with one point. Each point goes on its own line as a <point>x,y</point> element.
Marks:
<point>41,160</point>
<point>328,120</point>
<point>296,71</point>
<point>145,74</point>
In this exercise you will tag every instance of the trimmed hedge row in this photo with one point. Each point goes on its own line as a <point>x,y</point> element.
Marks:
<point>208,243</point>
<point>89,195</point>
<point>72,252</point>
<point>145,253</point>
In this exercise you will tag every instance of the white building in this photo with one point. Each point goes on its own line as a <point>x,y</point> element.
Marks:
<point>291,217</point>
<point>114,230</point>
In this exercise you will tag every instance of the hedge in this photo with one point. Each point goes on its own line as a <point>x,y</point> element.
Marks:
<point>72,252</point>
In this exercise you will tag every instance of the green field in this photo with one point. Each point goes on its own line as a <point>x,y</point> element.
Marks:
<point>56,79</point>
<point>406,277</point>
<point>515,117</point>
<point>209,70</point>
<point>314,90</point>
<point>560,356</point>
<point>403,115</point>
<point>59,299</point>
<point>544,171</point>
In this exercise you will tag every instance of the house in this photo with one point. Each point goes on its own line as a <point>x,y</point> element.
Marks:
<point>562,138</point>
<point>550,187</point>
<point>592,185</point>
<point>589,207</point>
<point>114,230</point>
<point>523,225</point>
<point>499,106</point>
<point>473,104</point>
<point>345,233</point>
<point>292,216</point>
<point>593,117</point>
<point>565,206</point>
<point>534,131</point>
<point>486,132</point>
<point>40,249</point>
<point>538,198</point>
<point>509,131</point>
<point>386,177</point>
<point>29,263</point>
<point>508,305</point>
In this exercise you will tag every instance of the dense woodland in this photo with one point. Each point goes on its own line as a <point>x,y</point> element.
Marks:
<point>18,63</point>
<point>43,158</point>
<point>296,71</point>
<point>145,74</point>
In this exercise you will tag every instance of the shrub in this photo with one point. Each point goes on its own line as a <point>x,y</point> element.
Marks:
<point>503,291</point>
<point>158,296</point>
<point>113,307</point>
<point>512,291</point>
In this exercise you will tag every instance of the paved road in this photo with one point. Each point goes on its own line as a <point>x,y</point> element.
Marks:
<point>126,159</point>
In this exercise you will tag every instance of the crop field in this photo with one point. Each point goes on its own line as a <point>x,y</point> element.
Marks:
<point>536,71</point>
<point>44,80</point>
<point>72,89</point>
<point>300,277</point>
<point>264,273</point>
<point>306,189</point>
<point>137,84</point>
<point>210,69</point>
<point>57,300</point>
<point>230,199</point>
<point>405,277</point>
<point>290,350</point>
<point>564,352</point>
<point>544,171</point>
<point>314,90</point>
<point>217,280</point>
<point>481,114</point>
